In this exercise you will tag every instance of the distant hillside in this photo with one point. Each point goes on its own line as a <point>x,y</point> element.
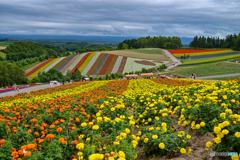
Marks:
<point>95,64</point>
<point>22,50</point>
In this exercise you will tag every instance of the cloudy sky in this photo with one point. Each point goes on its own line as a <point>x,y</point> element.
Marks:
<point>132,18</point>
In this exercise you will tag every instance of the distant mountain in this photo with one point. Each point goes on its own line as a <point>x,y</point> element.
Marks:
<point>70,38</point>
<point>186,40</point>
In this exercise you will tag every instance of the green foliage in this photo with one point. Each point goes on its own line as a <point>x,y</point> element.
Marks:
<point>125,46</point>
<point>209,69</point>
<point>230,41</point>
<point>21,50</point>
<point>10,73</point>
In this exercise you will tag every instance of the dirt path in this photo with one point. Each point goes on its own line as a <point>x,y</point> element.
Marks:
<point>2,47</point>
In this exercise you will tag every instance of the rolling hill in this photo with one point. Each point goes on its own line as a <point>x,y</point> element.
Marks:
<point>95,63</point>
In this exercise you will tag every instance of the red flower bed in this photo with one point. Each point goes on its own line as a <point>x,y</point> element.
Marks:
<point>180,51</point>
<point>122,65</point>
<point>81,62</point>
<point>38,67</point>
<point>106,64</point>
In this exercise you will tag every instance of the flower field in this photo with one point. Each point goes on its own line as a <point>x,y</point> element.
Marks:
<point>121,120</point>
<point>92,64</point>
<point>202,53</point>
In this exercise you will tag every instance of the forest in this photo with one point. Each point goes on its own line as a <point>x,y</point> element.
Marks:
<point>10,73</point>
<point>151,42</point>
<point>22,50</point>
<point>230,41</point>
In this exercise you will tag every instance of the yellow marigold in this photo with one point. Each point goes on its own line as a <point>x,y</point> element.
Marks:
<point>197,126</point>
<point>217,140</point>
<point>183,150</point>
<point>202,124</point>
<point>154,136</point>
<point>161,145</point>
<point>164,125</point>
<point>189,151</point>
<point>209,144</point>
<point>121,154</point>
<point>217,130</point>
<point>127,130</point>
<point>225,131</point>
<point>145,140</point>
<point>84,124</point>
<point>237,134</point>
<point>95,127</point>
<point>188,137</point>
<point>80,146</point>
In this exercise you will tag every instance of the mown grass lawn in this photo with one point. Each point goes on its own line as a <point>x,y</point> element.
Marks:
<point>217,68</point>
<point>4,44</point>
<point>223,78</point>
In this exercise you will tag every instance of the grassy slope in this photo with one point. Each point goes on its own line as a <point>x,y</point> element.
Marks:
<point>3,55</point>
<point>223,78</point>
<point>4,44</point>
<point>209,69</point>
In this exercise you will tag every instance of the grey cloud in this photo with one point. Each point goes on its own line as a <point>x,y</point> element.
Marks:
<point>135,18</point>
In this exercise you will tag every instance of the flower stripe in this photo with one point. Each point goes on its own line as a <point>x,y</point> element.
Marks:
<point>68,63</point>
<point>122,65</point>
<point>90,64</point>
<point>106,64</point>
<point>84,65</point>
<point>180,51</point>
<point>77,59</point>
<point>57,65</point>
<point>117,64</point>
<point>66,60</point>
<point>80,62</point>
<point>94,66</point>
<point>39,67</point>
<point>111,65</point>
<point>97,70</point>
<point>53,64</point>
<point>36,68</point>
<point>202,53</point>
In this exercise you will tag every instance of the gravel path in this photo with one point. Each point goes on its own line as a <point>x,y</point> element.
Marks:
<point>13,93</point>
<point>175,61</point>
<point>218,76</point>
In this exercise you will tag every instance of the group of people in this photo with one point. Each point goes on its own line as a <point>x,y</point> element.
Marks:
<point>193,76</point>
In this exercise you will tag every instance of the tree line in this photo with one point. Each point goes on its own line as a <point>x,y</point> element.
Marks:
<point>10,73</point>
<point>230,41</point>
<point>22,50</point>
<point>151,42</point>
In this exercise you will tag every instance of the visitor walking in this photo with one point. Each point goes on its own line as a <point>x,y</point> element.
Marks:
<point>18,89</point>
<point>194,75</point>
<point>15,86</point>
<point>51,84</point>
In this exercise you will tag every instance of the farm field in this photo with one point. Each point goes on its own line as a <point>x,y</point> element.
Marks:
<point>135,54</point>
<point>3,44</point>
<point>95,64</point>
<point>204,56</point>
<point>217,68</point>
<point>123,120</point>
<point>148,51</point>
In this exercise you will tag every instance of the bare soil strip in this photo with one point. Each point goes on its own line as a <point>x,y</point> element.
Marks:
<point>2,47</point>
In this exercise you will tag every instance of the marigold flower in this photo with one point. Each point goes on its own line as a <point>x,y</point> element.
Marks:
<point>161,145</point>
<point>183,150</point>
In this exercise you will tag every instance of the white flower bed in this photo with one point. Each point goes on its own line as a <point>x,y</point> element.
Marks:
<point>117,64</point>
<point>131,65</point>
<point>52,65</point>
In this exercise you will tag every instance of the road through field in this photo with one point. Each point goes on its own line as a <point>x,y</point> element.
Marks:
<point>175,61</point>
<point>13,93</point>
